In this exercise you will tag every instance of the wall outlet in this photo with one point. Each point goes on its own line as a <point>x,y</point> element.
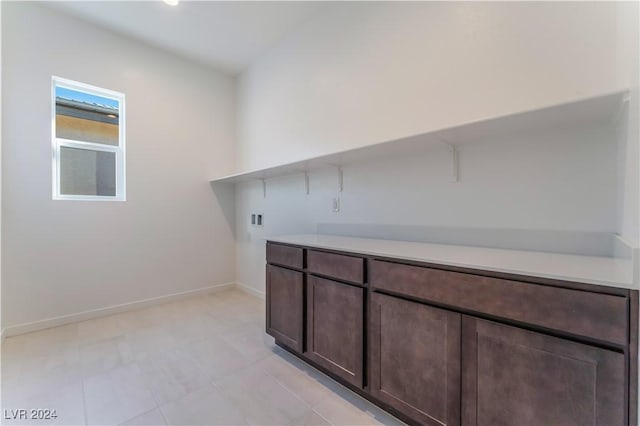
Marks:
<point>257,219</point>
<point>335,205</point>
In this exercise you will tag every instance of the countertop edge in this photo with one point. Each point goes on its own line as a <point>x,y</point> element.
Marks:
<point>604,278</point>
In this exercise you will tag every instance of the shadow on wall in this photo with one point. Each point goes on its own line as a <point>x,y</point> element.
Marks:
<point>226,196</point>
<point>569,242</point>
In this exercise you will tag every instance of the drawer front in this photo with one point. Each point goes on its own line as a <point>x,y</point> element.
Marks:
<point>284,255</point>
<point>582,313</point>
<point>348,268</point>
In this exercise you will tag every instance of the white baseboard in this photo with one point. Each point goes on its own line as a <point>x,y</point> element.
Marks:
<point>250,290</point>
<point>15,330</point>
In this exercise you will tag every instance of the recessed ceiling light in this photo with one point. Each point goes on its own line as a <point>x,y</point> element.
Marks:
<point>172,2</point>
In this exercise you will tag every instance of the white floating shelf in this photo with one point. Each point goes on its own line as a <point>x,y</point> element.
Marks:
<point>599,109</point>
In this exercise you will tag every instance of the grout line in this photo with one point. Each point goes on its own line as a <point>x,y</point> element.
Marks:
<point>147,412</point>
<point>323,417</point>
<point>146,385</point>
<point>217,388</point>
<point>166,421</point>
<point>287,390</point>
<point>275,379</point>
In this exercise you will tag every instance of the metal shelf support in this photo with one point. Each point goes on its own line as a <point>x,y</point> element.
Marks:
<point>453,160</point>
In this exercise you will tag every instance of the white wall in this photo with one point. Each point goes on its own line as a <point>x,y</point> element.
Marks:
<point>171,235</point>
<point>540,182</point>
<point>628,67</point>
<point>370,72</point>
<point>1,328</point>
<point>363,73</point>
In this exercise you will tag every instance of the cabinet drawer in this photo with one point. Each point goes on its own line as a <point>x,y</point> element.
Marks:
<point>348,268</point>
<point>582,313</point>
<point>284,255</point>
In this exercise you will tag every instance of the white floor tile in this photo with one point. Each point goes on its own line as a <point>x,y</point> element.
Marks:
<point>216,358</point>
<point>105,355</point>
<point>116,396</point>
<point>261,398</point>
<point>251,342</point>
<point>100,329</point>
<point>194,328</point>
<point>146,342</point>
<point>307,384</point>
<point>171,375</point>
<point>311,418</point>
<point>65,401</point>
<point>150,418</point>
<point>43,341</point>
<point>343,407</point>
<point>206,406</point>
<point>205,360</point>
<point>40,372</point>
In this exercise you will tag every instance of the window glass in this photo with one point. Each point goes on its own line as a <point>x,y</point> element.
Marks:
<point>86,117</point>
<point>87,172</point>
<point>88,142</point>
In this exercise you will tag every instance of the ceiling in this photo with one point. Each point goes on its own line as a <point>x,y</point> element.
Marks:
<point>227,35</point>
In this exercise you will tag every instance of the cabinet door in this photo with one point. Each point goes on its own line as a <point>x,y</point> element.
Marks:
<point>515,377</point>
<point>415,359</point>
<point>335,317</point>
<point>285,302</point>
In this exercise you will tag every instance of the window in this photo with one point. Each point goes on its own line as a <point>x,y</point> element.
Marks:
<point>88,142</point>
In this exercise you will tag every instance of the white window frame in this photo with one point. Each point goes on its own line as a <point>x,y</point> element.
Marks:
<point>58,143</point>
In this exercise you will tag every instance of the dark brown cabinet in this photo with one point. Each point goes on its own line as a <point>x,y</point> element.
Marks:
<point>517,377</point>
<point>415,359</point>
<point>446,346</point>
<point>285,302</point>
<point>339,266</point>
<point>335,332</point>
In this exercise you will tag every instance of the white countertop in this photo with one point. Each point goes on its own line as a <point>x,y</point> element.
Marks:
<point>606,271</point>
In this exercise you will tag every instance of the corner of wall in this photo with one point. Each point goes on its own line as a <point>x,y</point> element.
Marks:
<point>1,120</point>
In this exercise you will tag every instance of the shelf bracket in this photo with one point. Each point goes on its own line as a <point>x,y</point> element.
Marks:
<point>453,158</point>
<point>622,107</point>
<point>264,188</point>
<point>453,161</point>
<point>339,175</point>
<point>306,182</point>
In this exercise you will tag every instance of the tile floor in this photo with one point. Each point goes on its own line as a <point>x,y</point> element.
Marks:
<point>200,361</point>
